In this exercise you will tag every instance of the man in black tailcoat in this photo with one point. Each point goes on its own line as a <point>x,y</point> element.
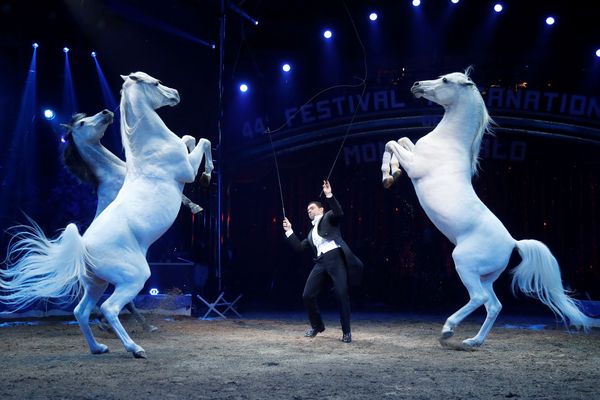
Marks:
<point>333,258</point>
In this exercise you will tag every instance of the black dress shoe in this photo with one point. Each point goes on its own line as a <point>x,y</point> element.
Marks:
<point>346,337</point>
<point>312,332</point>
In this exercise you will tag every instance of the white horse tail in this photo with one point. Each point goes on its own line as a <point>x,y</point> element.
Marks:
<point>40,268</point>
<point>538,276</point>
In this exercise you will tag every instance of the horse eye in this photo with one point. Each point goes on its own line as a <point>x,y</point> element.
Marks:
<point>444,80</point>
<point>155,83</point>
<point>82,123</point>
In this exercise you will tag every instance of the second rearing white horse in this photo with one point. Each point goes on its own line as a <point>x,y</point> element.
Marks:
<point>441,165</point>
<point>113,249</point>
<point>90,161</point>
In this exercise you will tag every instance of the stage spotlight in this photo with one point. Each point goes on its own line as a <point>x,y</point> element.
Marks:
<point>373,16</point>
<point>35,45</point>
<point>63,140</point>
<point>94,54</point>
<point>255,22</point>
<point>498,7</point>
<point>550,21</point>
<point>66,49</point>
<point>455,1</point>
<point>243,88</point>
<point>327,34</point>
<point>286,67</point>
<point>49,114</point>
<point>598,53</point>
<point>416,3</point>
<point>153,291</point>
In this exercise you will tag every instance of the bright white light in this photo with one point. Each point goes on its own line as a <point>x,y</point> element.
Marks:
<point>66,49</point>
<point>153,291</point>
<point>35,45</point>
<point>94,54</point>
<point>550,21</point>
<point>416,3</point>
<point>286,67</point>
<point>454,1</point>
<point>327,34</point>
<point>49,114</point>
<point>243,88</point>
<point>373,16</point>
<point>598,53</point>
<point>255,22</point>
<point>498,7</point>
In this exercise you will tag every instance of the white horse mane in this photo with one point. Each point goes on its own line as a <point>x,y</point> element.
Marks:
<point>485,126</point>
<point>126,128</point>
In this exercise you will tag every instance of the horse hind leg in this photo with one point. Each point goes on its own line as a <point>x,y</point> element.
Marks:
<point>123,294</point>
<point>139,317</point>
<point>492,307</point>
<point>92,292</point>
<point>477,297</point>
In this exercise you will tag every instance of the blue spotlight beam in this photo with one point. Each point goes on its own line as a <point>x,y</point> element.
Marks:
<point>112,141</point>
<point>18,181</point>
<point>241,13</point>
<point>69,101</point>
<point>110,100</point>
<point>133,14</point>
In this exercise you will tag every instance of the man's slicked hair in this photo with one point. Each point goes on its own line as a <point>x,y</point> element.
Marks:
<point>316,203</point>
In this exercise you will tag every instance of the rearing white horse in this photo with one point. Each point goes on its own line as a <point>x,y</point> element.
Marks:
<point>113,249</point>
<point>441,165</point>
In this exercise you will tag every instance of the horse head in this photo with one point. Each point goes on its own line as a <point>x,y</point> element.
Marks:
<point>445,90</point>
<point>84,132</point>
<point>144,86</point>
<point>88,129</point>
<point>456,92</point>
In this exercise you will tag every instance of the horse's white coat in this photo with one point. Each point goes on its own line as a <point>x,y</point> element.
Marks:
<point>441,165</point>
<point>113,249</point>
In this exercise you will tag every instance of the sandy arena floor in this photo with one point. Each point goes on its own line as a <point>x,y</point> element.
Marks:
<point>265,356</point>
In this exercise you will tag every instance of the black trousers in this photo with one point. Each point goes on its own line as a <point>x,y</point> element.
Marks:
<point>329,264</point>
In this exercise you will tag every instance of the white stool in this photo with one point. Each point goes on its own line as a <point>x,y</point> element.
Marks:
<point>220,302</point>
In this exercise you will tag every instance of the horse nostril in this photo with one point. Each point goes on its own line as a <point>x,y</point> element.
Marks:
<point>416,84</point>
<point>104,112</point>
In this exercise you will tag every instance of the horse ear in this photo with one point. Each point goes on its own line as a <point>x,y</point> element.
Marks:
<point>124,77</point>
<point>65,126</point>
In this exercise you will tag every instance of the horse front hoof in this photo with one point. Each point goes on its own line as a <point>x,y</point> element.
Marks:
<point>388,182</point>
<point>397,174</point>
<point>101,349</point>
<point>139,354</point>
<point>471,343</point>
<point>205,179</point>
<point>447,331</point>
<point>446,335</point>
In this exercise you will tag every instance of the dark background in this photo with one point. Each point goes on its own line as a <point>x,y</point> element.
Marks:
<point>550,195</point>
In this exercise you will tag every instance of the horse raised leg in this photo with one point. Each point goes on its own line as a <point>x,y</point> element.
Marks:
<point>202,150</point>
<point>93,290</point>
<point>395,153</point>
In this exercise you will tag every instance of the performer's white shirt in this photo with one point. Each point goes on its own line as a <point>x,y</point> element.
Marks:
<point>323,245</point>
